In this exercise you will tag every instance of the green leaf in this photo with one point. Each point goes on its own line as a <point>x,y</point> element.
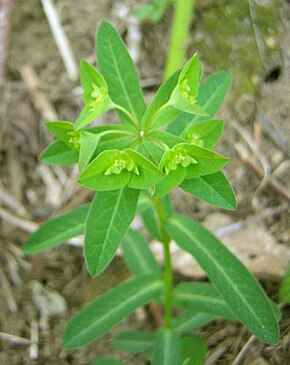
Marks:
<point>95,95</point>
<point>202,297</point>
<point>205,133</point>
<point>214,189</point>
<point>194,350</point>
<point>173,179</point>
<point>284,292</point>
<point>231,279</point>
<point>109,309</point>
<point>167,348</point>
<point>57,230</point>
<point>133,341</point>
<point>117,67</point>
<point>213,91</point>
<point>161,97</point>
<point>184,94</point>
<point>107,361</point>
<point>138,256</point>
<point>186,161</point>
<point>92,81</point>
<point>88,145</point>
<point>109,218</point>
<point>60,129</point>
<point>211,95</point>
<point>58,153</point>
<point>188,321</point>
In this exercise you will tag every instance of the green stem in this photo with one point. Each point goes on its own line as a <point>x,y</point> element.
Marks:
<point>168,274</point>
<point>129,115</point>
<point>179,36</point>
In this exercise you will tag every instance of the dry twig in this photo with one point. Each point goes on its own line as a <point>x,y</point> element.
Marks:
<point>61,39</point>
<point>244,350</point>
<point>15,340</point>
<point>11,303</point>
<point>39,99</point>
<point>34,339</point>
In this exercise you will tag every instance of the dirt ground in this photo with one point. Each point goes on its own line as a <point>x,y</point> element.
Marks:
<point>250,38</point>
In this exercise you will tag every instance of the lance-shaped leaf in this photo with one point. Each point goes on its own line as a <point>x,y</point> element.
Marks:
<point>88,145</point>
<point>211,95</point>
<point>184,95</point>
<point>190,320</point>
<point>231,279</point>
<point>57,230</point>
<point>202,297</point>
<point>133,341</point>
<point>138,256</point>
<point>187,161</point>
<point>167,347</point>
<point>114,169</point>
<point>109,218</point>
<point>156,115</point>
<point>109,309</point>
<point>117,67</point>
<point>214,189</point>
<point>61,130</point>
<point>96,95</point>
<point>194,350</point>
<point>205,134</point>
<point>58,153</point>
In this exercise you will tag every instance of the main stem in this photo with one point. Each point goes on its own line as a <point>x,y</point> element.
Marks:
<point>168,274</point>
<point>179,36</point>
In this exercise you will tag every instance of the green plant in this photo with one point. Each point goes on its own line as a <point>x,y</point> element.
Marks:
<point>182,17</point>
<point>153,11</point>
<point>133,166</point>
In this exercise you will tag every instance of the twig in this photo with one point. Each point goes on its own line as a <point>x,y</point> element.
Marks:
<point>7,199</point>
<point>39,99</point>
<point>215,355</point>
<point>5,26</point>
<point>13,269</point>
<point>244,350</point>
<point>54,189</point>
<point>253,146</point>
<point>29,226</point>
<point>221,232</point>
<point>15,340</point>
<point>270,180</point>
<point>70,185</point>
<point>61,39</point>
<point>34,339</point>
<point>22,223</point>
<point>12,306</point>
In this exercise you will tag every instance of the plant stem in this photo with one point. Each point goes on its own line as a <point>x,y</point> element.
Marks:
<point>179,36</point>
<point>168,274</point>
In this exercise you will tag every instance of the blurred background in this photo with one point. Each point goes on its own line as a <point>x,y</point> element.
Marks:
<point>39,82</point>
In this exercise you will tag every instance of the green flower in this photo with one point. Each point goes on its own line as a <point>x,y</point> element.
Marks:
<point>96,95</point>
<point>185,93</point>
<point>74,140</point>
<point>114,169</point>
<point>177,156</point>
<point>187,161</point>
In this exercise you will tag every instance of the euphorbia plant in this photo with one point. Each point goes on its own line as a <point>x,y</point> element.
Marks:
<point>132,166</point>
